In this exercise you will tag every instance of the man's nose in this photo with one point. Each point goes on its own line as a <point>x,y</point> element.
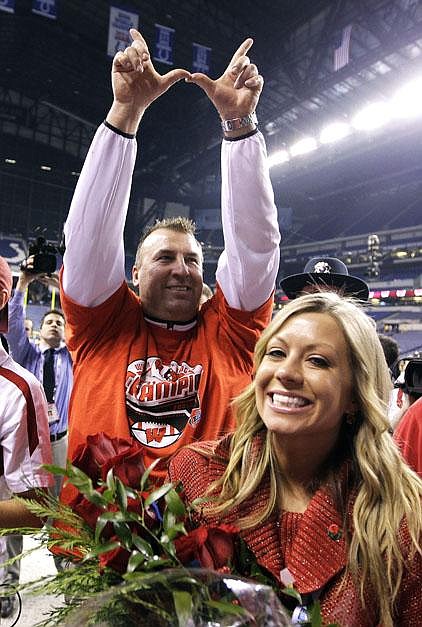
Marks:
<point>180,266</point>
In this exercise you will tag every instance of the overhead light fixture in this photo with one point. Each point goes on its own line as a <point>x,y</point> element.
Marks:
<point>334,132</point>
<point>74,173</point>
<point>406,103</point>
<point>303,146</point>
<point>372,117</point>
<point>47,168</point>
<point>11,161</point>
<point>277,158</point>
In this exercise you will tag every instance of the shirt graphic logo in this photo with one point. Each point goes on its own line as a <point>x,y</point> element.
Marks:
<point>161,399</point>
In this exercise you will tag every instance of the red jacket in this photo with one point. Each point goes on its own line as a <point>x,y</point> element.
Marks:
<point>408,436</point>
<point>315,559</point>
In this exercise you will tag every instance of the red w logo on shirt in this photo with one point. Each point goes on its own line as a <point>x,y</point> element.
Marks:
<point>156,434</point>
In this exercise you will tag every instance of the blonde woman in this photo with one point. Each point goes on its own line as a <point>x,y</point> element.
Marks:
<point>311,476</point>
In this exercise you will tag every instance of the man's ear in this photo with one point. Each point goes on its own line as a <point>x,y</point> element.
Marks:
<point>135,276</point>
<point>4,297</point>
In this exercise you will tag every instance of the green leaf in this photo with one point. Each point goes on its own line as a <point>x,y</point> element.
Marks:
<point>291,592</point>
<point>175,531</point>
<point>169,520</point>
<point>124,533</point>
<point>110,481</point>
<point>147,473</point>
<point>121,494</point>
<point>101,523</point>
<point>102,548</point>
<point>142,546</point>
<point>225,607</point>
<point>55,470</point>
<point>157,562</point>
<point>158,493</point>
<point>97,499</point>
<point>108,496</point>
<point>183,606</point>
<point>174,503</point>
<point>315,615</point>
<point>136,559</point>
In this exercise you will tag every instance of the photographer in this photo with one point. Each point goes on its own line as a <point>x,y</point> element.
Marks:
<point>50,361</point>
<point>408,434</point>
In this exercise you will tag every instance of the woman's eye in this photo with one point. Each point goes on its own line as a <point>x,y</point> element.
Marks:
<point>321,362</point>
<point>276,352</point>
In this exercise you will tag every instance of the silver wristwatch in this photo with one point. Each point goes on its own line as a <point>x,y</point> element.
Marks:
<point>238,123</point>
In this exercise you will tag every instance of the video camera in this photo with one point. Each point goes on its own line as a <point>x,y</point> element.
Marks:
<point>45,257</point>
<point>413,377</point>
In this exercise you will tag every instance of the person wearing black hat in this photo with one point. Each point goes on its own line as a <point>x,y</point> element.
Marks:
<point>324,274</point>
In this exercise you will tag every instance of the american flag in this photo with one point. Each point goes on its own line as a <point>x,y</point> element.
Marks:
<point>341,52</point>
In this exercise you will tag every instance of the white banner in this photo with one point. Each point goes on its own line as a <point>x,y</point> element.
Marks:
<point>7,5</point>
<point>201,58</point>
<point>118,29</point>
<point>46,8</point>
<point>163,50</point>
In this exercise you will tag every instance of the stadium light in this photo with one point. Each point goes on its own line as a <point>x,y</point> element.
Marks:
<point>406,103</point>
<point>372,117</point>
<point>277,158</point>
<point>307,144</point>
<point>334,132</point>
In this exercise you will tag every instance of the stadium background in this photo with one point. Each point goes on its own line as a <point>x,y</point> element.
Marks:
<point>358,198</point>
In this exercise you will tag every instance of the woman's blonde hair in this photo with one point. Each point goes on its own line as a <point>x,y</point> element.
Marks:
<point>387,490</point>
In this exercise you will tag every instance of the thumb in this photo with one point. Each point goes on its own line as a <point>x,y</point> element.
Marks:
<point>203,81</point>
<point>173,76</point>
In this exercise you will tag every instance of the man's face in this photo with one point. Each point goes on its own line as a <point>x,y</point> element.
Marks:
<point>169,275</point>
<point>52,330</point>
<point>29,327</point>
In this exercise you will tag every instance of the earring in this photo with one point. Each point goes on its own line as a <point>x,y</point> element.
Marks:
<point>350,418</point>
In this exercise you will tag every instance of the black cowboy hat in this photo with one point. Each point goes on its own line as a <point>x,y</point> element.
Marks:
<point>325,271</point>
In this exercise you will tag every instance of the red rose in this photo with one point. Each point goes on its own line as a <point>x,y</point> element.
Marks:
<point>90,512</point>
<point>100,453</point>
<point>128,466</point>
<point>334,531</point>
<point>117,559</point>
<point>212,546</point>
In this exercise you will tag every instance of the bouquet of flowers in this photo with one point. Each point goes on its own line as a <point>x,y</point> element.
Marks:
<point>134,557</point>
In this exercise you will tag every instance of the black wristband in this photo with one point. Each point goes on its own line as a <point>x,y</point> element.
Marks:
<point>235,139</point>
<point>118,131</point>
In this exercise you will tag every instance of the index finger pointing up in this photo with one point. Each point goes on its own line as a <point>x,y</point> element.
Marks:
<point>136,36</point>
<point>241,51</point>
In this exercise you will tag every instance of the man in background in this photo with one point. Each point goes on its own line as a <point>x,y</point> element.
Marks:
<point>50,362</point>
<point>324,274</point>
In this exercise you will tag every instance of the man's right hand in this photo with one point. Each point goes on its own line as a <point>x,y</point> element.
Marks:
<point>136,84</point>
<point>26,277</point>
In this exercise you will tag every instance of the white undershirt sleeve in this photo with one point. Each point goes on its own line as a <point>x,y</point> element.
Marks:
<point>94,261</point>
<point>247,268</point>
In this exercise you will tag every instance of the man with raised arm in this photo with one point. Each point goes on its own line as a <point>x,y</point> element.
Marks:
<point>155,368</point>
